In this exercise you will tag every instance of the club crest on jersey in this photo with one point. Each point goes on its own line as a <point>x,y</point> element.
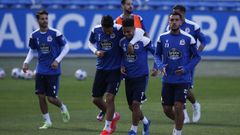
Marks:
<point>187,30</point>
<point>136,46</point>
<point>112,35</point>
<point>174,54</point>
<point>49,38</point>
<point>106,45</point>
<point>182,42</point>
<point>166,45</point>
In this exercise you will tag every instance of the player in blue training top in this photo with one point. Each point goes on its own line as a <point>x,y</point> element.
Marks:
<point>104,43</point>
<point>176,55</point>
<point>193,29</point>
<point>51,47</point>
<point>135,70</point>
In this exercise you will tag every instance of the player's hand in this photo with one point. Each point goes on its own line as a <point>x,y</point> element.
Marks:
<point>25,67</point>
<point>180,71</point>
<point>200,48</point>
<point>130,49</point>
<point>163,71</point>
<point>54,65</point>
<point>154,72</point>
<point>99,53</point>
<point>123,70</point>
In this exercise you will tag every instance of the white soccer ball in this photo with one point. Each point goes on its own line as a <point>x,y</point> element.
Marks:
<point>2,73</point>
<point>28,75</point>
<point>16,73</point>
<point>81,74</point>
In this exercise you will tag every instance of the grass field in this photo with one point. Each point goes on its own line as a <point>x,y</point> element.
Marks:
<point>20,114</point>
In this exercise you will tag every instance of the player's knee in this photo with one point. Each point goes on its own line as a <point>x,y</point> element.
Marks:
<point>167,110</point>
<point>95,100</point>
<point>178,107</point>
<point>135,105</point>
<point>41,96</point>
<point>51,99</point>
<point>109,98</point>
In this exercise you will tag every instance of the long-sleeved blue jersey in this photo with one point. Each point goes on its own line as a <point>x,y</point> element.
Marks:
<point>136,64</point>
<point>49,46</point>
<point>177,51</point>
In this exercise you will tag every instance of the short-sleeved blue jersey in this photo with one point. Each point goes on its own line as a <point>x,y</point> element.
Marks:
<point>177,51</point>
<point>110,45</point>
<point>136,64</point>
<point>48,45</point>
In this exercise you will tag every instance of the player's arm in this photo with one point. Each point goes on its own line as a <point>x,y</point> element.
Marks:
<point>28,59</point>
<point>92,45</point>
<point>195,57</point>
<point>149,47</point>
<point>65,49</point>
<point>201,37</point>
<point>158,58</point>
<point>30,54</point>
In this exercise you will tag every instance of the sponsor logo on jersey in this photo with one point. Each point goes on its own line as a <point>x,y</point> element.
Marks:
<point>106,45</point>
<point>131,57</point>
<point>174,54</point>
<point>45,49</point>
<point>182,42</point>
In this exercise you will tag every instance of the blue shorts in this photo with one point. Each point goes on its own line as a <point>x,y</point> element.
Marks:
<point>135,88</point>
<point>47,84</point>
<point>172,93</point>
<point>106,81</point>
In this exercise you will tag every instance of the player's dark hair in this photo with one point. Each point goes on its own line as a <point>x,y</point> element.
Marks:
<point>107,21</point>
<point>176,13</point>
<point>180,7</point>
<point>128,22</point>
<point>41,12</point>
<point>123,2</point>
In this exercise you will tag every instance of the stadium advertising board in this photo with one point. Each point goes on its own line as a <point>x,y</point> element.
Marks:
<point>222,29</point>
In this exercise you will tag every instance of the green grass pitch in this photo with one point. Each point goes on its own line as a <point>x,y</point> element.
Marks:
<point>20,113</point>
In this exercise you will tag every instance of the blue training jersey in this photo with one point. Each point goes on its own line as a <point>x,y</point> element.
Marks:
<point>177,51</point>
<point>110,45</point>
<point>136,64</point>
<point>48,45</point>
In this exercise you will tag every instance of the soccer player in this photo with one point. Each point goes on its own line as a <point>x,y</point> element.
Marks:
<point>193,29</point>
<point>51,47</point>
<point>104,43</point>
<point>127,7</point>
<point>176,55</point>
<point>135,70</point>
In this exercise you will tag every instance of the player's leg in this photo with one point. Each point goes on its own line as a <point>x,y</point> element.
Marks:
<point>180,93</point>
<point>168,100</point>
<point>195,105</point>
<point>113,81</point>
<point>40,87</point>
<point>129,91</point>
<point>52,92</point>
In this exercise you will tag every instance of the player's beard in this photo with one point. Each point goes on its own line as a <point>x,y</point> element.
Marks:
<point>129,11</point>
